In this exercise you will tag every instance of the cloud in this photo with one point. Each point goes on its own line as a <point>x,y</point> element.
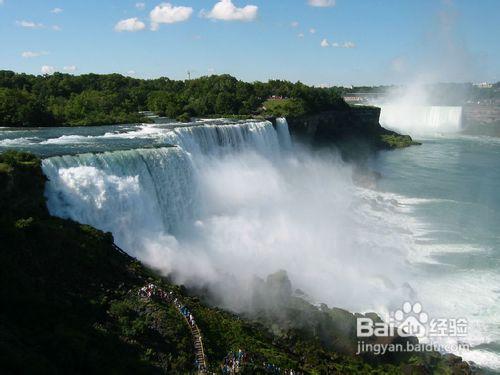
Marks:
<point>70,69</point>
<point>31,54</point>
<point>1,2</point>
<point>294,24</point>
<point>225,10</point>
<point>130,24</point>
<point>47,69</point>
<point>312,31</point>
<point>56,28</point>
<point>131,73</point>
<point>344,45</point>
<point>167,13</point>
<point>29,24</point>
<point>321,3</point>
<point>300,35</point>
<point>140,6</point>
<point>324,43</point>
<point>56,10</point>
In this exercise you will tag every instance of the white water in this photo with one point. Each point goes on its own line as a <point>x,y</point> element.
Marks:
<point>418,120</point>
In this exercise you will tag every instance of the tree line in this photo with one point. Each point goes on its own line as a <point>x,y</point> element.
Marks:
<point>92,99</point>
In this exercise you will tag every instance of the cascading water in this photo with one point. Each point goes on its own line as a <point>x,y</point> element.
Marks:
<point>149,190</point>
<point>421,120</point>
<point>219,139</point>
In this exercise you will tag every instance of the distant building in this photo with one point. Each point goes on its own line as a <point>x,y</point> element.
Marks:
<point>276,97</point>
<point>484,85</point>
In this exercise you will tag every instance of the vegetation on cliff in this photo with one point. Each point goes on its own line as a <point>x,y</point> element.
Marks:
<point>70,305</point>
<point>91,99</point>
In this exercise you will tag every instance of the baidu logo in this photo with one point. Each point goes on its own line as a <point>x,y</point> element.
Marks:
<point>411,319</point>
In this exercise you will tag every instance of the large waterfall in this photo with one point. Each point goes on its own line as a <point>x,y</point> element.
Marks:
<point>139,193</point>
<point>421,120</point>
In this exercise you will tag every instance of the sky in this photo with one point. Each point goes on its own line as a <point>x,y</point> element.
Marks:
<point>318,42</point>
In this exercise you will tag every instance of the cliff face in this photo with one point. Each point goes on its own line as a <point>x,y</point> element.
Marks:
<point>356,131</point>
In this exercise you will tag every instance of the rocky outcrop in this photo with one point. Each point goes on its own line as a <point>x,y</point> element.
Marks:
<point>356,131</point>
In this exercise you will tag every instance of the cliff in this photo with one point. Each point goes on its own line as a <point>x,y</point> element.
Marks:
<point>356,131</point>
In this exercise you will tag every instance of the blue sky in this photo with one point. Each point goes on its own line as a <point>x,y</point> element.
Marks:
<point>320,42</point>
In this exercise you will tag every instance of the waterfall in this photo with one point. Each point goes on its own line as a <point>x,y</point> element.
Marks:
<point>221,139</point>
<point>421,120</point>
<point>143,190</point>
<point>139,193</point>
<point>283,133</point>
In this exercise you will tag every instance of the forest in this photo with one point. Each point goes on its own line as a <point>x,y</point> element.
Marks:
<point>93,99</point>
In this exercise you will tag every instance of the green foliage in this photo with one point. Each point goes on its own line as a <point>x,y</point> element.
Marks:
<point>91,99</point>
<point>184,117</point>
<point>398,141</point>
<point>284,107</point>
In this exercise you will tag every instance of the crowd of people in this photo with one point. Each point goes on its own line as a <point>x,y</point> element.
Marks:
<point>235,362</point>
<point>152,291</point>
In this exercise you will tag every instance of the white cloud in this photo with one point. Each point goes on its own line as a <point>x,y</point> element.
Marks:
<point>167,13</point>
<point>29,24</point>
<point>324,43</point>
<point>31,54</point>
<point>56,10</point>
<point>321,3</point>
<point>47,69</point>
<point>344,45</point>
<point>56,28</point>
<point>130,24</point>
<point>294,24</point>
<point>300,35</point>
<point>140,6</point>
<point>225,10</point>
<point>70,69</point>
<point>312,31</point>
<point>131,73</point>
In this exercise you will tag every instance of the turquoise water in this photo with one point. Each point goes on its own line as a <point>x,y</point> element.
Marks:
<point>450,189</point>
